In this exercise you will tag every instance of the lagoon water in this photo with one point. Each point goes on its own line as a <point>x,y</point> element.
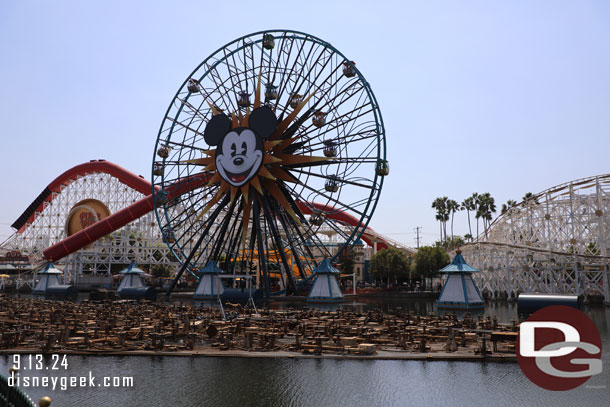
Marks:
<point>271,382</point>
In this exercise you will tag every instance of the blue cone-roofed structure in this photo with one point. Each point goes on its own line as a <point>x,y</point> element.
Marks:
<point>132,286</point>
<point>325,286</point>
<point>460,290</point>
<point>49,283</point>
<point>210,287</point>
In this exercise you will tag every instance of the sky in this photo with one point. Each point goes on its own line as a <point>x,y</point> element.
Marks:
<point>505,97</point>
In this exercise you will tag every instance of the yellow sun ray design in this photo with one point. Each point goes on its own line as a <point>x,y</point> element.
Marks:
<point>270,171</point>
<point>281,199</point>
<point>233,192</point>
<point>264,172</point>
<point>255,182</point>
<point>269,159</point>
<point>244,191</point>
<point>279,173</point>
<point>293,159</point>
<point>281,128</point>
<point>221,191</point>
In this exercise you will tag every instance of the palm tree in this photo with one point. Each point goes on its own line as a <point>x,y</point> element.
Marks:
<point>478,207</point>
<point>530,197</point>
<point>467,237</point>
<point>486,209</point>
<point>469,204</point>
<point>442,214</point>
<point>491,209</point>
<point>508,206</point>
<point>452,207</point>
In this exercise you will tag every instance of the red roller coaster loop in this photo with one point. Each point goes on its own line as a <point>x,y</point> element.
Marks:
<point>121,218</point>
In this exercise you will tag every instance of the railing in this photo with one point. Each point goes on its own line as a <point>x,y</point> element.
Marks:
<point>13,396</point>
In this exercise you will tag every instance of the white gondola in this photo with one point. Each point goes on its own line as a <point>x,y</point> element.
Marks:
<point>193,86</point>
<point>270,92</point>
<point>294,100</point>
<point>319,118</point>
<point>330,149</point>
<point>332,183</point>
<point>243,99</point>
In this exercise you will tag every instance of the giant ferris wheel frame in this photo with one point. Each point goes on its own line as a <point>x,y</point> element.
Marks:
<point>321,104</point>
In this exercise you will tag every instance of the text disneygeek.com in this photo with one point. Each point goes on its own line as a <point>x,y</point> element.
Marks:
<point>23,363</point>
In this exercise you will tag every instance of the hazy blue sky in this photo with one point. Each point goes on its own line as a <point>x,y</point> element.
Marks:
<point>503,97</point>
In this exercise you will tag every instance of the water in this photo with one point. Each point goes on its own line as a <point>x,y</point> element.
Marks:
<point>209,381</point>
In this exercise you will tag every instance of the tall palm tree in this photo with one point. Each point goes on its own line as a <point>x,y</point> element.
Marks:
<point>442,214</point>
<point>469,204</point>
<point>452,207</point>
<point>486,209</point>
<point>479,209</point>
<point>491,209</point>
<point>439,218</point>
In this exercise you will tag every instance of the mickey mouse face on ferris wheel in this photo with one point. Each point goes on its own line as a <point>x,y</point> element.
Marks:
<point>240,150</point>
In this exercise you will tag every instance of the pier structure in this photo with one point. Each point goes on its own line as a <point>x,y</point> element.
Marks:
<point>149,328</point>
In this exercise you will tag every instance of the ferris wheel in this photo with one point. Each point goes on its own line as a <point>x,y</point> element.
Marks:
<point>265,145</point>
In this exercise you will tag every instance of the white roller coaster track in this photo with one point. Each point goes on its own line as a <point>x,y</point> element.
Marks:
<point>555,242</point>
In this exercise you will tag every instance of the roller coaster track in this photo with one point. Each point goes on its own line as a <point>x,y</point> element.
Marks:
<point>132,212</point>
<point>556,241</point>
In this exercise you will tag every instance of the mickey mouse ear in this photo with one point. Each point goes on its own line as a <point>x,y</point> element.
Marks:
<point>263,121</point>
<point>216,128</point>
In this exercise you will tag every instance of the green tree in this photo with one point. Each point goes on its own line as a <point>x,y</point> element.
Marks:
<point>160,270</point>
<point>389,264</point>
<point>450,244</point>
<point>346,262</point>
<point>508,206</point>
<point>529,197</point>
<point>429,260</point>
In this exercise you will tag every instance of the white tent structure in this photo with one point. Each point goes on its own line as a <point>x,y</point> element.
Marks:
<point>132,277</point>
<point>49,277</point>
<point>49,283</point>
<point>325,287</point>
<point>132,286</point>
<point>460,291</point>
<point>210,287</point>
